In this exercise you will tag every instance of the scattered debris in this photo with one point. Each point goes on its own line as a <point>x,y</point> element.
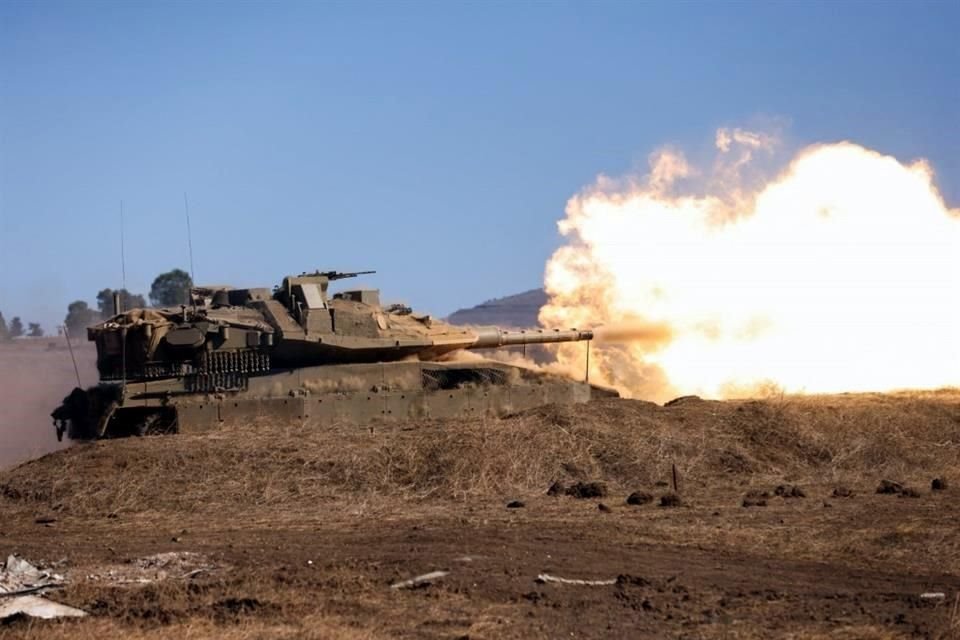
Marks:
<point>421,580</point>
<point>639,497</point>
<point>37,607</point>
<point>18,576</point>
<point>603,508</point>
<point>587,490</point>
<point>546,577</point>
<point>938,484</point>
<point>178,565</point>
<point>670,500</point>
<point>843,492</point>
<point>789,491</point>
<point>889,486</point>
<point>515,504</point>
<point>20,586</point>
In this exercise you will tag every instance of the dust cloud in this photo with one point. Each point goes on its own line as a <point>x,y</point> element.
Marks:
<point>35,375</point>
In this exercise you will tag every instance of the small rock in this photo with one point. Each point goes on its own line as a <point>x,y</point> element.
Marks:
<point>889,486</point>
<point>557,488</point>
<point>515,504</point>
<point>603,508</point>
<point>843,492</point>
<point>639,497</point>
<point>909,492</point>
<point>175,539</point>
<point>755,498</point>
<point>670,500</point>
<point>826,505</point>
<point>938,484</point>
<point>661,483</point>
<point>587,490</point>
<point>45,520</point>
<point>789,491</point>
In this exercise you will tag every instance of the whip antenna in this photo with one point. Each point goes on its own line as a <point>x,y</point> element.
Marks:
<point>123,256</point>
<point>186,210</point>
<point>123,332</point>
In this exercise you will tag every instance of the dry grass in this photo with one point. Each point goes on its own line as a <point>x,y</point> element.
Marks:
<point>906,436</point>
<point>265,498</point>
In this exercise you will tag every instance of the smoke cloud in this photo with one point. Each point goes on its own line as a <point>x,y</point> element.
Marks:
<point>840,272</point>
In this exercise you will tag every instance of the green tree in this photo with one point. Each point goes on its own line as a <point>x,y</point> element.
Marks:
<point>34,330</point>
<point>16,327</point>
<point>4,332</point>
<point>171,289</point>
<point>79,317</point>
<point>127,301</point>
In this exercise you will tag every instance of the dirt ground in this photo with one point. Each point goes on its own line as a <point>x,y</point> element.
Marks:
<point>268,531</point>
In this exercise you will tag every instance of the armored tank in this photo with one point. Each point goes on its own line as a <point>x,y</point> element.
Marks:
<point>300,354</point>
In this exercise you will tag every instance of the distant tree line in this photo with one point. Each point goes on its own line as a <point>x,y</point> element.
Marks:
<point>15,329</point>
<point>169,289</point>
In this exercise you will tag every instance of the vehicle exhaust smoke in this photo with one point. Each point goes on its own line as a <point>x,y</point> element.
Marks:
<point>839,273</point>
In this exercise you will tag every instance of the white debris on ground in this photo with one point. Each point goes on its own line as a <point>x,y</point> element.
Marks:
<point>18,575</point>
<point>37,607</point>
<point>421,580</point>
<point>21,584</point>
<point>546,577</point>
<point>173,565</point>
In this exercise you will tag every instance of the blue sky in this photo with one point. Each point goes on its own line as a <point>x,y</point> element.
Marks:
<point>435,142</point>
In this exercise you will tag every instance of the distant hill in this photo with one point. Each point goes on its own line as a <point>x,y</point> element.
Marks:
<point>518,310</point>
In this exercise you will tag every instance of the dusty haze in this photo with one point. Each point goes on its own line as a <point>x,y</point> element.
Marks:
<point>35,375</point>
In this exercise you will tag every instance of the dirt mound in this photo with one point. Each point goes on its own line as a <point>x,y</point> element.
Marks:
<point>625,445</point>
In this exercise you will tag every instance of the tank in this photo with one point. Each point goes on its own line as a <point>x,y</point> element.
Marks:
<point>299,354</point>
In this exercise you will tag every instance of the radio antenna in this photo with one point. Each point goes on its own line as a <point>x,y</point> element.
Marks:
<point>186,210</point>
<point>123,256</point>
<point>123,332</point>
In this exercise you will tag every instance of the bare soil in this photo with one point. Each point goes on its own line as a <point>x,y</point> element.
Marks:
<point>270,531</point>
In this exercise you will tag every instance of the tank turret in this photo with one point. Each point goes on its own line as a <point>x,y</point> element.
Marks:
<point>161,363</point>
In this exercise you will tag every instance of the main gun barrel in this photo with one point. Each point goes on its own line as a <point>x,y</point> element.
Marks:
<point>492,337</point>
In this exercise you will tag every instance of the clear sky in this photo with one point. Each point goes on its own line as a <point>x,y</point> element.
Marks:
<point>434,142</point>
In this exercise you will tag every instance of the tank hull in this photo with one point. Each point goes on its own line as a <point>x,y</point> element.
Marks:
<point>319,396</point>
